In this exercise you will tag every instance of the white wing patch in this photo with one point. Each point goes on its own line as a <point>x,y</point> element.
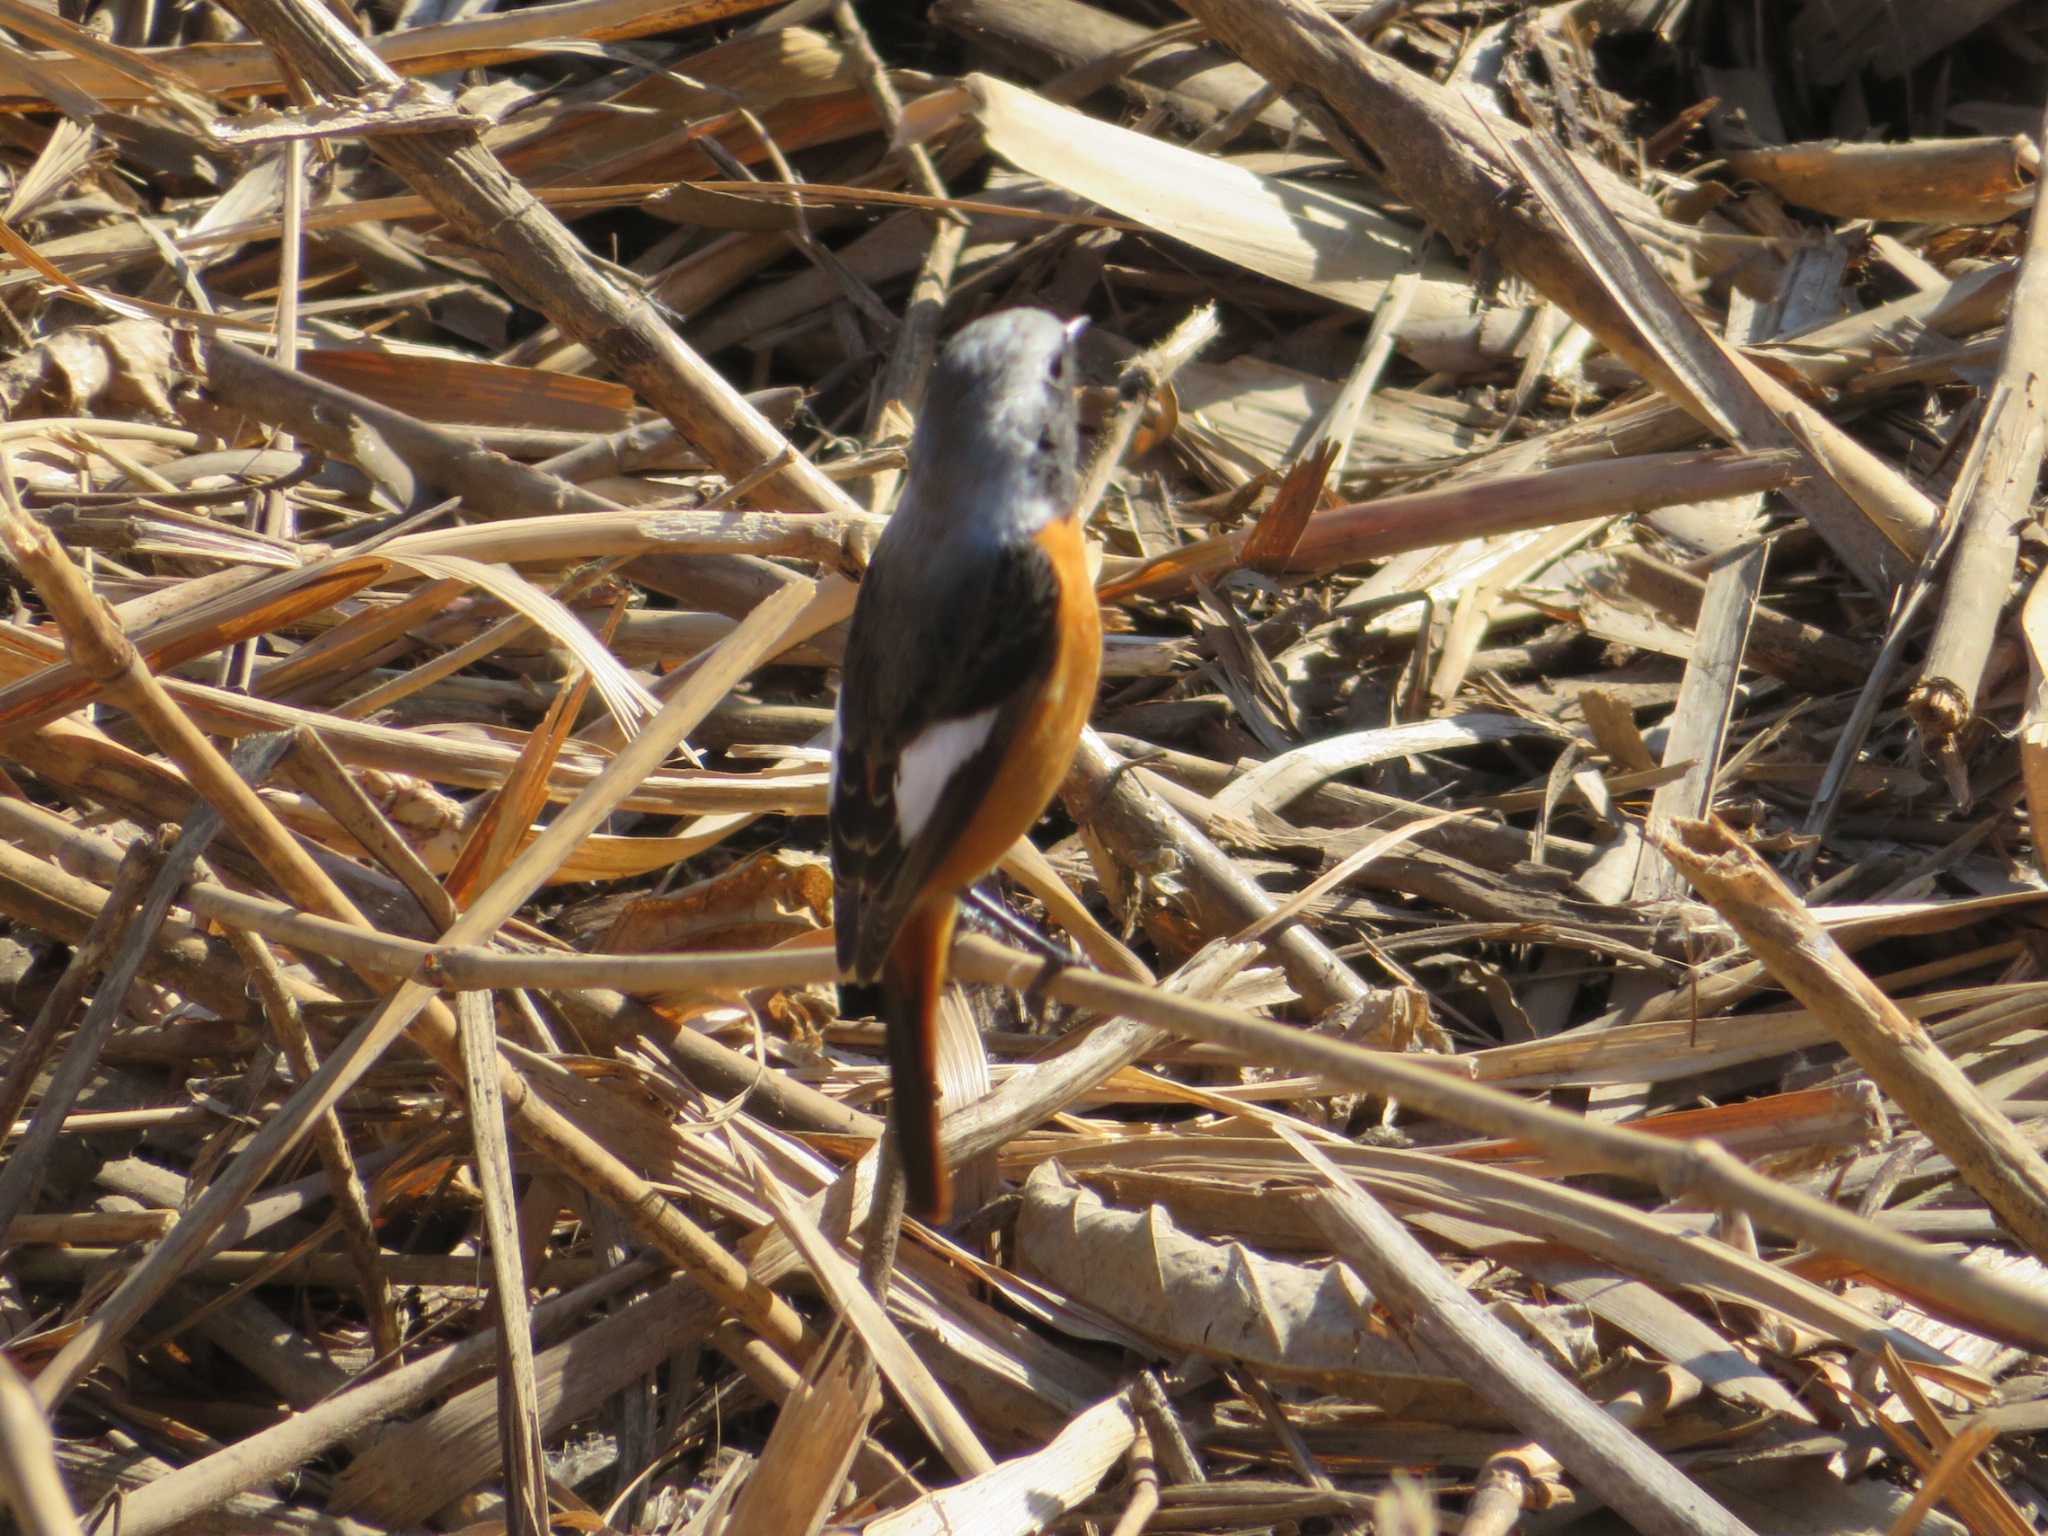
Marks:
<point>928,764</point>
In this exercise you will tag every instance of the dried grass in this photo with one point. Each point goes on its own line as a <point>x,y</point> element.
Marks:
<point>1557,856</point>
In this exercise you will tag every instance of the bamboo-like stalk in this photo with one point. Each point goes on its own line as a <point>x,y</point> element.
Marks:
<point>1643,1488</point>
<point>1983,1301</point>
<point>30,1484</point>
<point>1989,506</point>
<point>1355,533</point>
<point>1136,830</point>
<point>87,959</point>
<point>1438,156</point>
<point>1992,1157</point>
<point>533,254</point>
<point>796,1483</point>
<point>1698,731</point>
<point>522,1451</point>
<point>106,655</point>
<point>1938,181</point>
<point>203,969</point>
<point>249,69</point>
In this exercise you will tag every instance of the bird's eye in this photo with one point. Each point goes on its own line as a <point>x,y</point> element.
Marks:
<point>1058,369</point>
<point>1045,442</point>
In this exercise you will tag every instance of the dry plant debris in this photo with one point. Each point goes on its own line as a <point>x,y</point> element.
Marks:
<point>1563,1034</point>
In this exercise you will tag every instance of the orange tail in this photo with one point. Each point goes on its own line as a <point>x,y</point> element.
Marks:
<point>912,979</point>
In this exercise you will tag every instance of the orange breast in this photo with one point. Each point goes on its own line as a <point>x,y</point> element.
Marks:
<point>1044,743</point>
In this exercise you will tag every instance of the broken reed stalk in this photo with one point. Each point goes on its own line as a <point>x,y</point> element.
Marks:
<point>1703,374</point>
<point>315,769</point>
<point>270,1453</point>
<point>1696,736</point>
<point>30,1484</point>
<point>862,1313</point>
<point>1427,1304</point>
<point>254,761</point>
<point>1144,1484</point>
<point>1137,829</point>
<point>21,1172</point>
<point>1935,181</point>
<point>87,960</point>
<point>1439,155</point>
<point>98,646</point>
<point>903,384</point>
<point>1977,1298</point>
<point>52,901</point>
<point>270,988</point>
<point>1097,785</point>
<point>522,1454</point>
<point>1989,506</point>
<point>535,256</point>
<point>1521,1477</point>
<point>412,460</point>
<point>1140,379</point>
<point>1937,1096</point>
<point>799,1479</point>
<point>1851,497</point>
<point>415,460</point>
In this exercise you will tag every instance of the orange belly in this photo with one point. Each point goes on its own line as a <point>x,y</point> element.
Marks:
<point>1043,746</point>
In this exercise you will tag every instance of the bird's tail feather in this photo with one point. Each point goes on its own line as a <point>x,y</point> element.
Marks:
<point>912,982</point>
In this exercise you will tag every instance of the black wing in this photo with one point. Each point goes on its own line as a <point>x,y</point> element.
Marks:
<point>924,649</point>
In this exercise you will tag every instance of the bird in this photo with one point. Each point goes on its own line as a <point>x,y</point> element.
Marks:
<point>970,671</point>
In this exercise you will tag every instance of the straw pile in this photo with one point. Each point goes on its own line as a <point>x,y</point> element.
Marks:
<point>1557,1028</point>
